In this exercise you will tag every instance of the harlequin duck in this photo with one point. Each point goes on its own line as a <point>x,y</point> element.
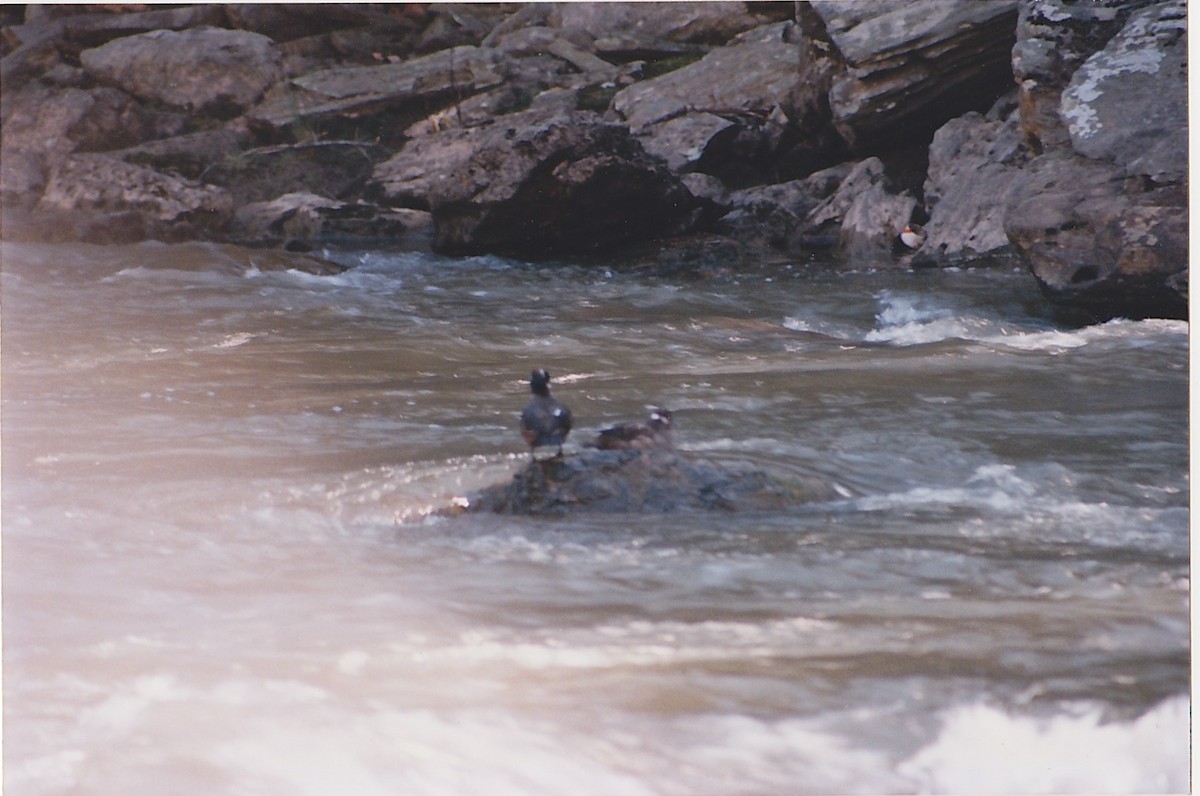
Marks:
<point>545,421</point>
<point>655,432</point>
<point>913,236</point>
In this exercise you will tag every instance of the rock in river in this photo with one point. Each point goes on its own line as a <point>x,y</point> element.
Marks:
<point>644,481</point>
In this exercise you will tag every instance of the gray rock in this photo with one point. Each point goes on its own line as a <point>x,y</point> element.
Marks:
<point>104,200</point>
<point>333,169</point>
<point>973,166</point>
<point>359,91</point>
<point>707,187</point>
<point>1054,38</point>
<point>1105,233</point>
<point>528,15</point>
<point>409,177</point>
<point>910,67</point>
<point>61,121</point>
<point>866,213</point>
<point>683,141</point>
<point>22,177</point>
<point>204,69</point>
<point>301,221</point>
<point>39,44</point>
<point>724,112</point>
<point>694,22</point>
<point>540,40</point>
<point>771,215</point>
<point>191,155</point>
<point>1128,102</point>
<point>644,481</point>
<point>752,74</point>
<point>482,109</point>
<point>571,184</point>
<point>1100,241</point>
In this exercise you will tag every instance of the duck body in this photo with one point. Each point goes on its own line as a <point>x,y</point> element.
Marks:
<point>912,236</point>
<point>654,433</point>
<point>545,421</point>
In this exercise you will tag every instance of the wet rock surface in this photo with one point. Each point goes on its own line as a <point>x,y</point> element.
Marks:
<point>1100,241</point>
<point>1101,220</point>
<point>644,481</point>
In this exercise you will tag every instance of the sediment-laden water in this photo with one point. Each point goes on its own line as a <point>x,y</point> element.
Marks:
<point>221,572</point>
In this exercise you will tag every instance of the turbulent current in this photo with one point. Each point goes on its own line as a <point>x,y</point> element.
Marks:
<point>224,570</point>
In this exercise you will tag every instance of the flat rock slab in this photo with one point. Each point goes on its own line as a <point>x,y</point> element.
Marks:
<point>644,481</point>
<point>357,91</point>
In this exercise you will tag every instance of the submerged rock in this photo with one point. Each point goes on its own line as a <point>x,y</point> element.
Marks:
<point>644,481</point>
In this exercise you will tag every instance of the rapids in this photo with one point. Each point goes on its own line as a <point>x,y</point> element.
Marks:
<point>223,571</point>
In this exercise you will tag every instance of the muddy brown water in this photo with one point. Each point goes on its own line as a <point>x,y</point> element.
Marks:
<point>221,573</point>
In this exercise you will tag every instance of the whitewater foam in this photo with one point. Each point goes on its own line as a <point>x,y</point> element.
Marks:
<point>982,749</point>
<point>909,320</point>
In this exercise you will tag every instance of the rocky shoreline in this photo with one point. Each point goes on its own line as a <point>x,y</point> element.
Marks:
<point>1048,133</point>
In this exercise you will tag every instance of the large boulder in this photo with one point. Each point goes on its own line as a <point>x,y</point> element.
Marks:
<point>1099,240</point>
<point>45,38</point>
<point>1102,220</point>
<point>865,215</point>
<point>653,481</point>
<point>1054,38</point>
<point>974,164</point>
<point>38,118</point>
<point>770,216</point>
<point>409,177</point>
<point>105,200</point>
<point>571,184</point>
<point>207,70</point>
<point>1128,102</point>
<point>911,67</point>
<point>728,114</point>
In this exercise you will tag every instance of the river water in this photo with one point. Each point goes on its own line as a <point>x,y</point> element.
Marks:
<point>222,572</point>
